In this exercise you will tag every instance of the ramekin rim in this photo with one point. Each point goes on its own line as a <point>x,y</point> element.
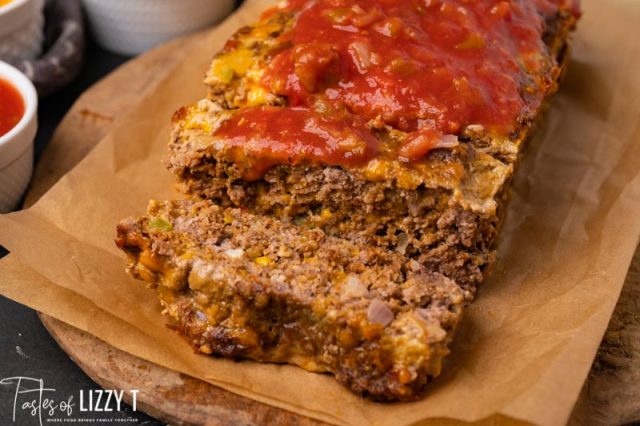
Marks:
<point>29,96</point>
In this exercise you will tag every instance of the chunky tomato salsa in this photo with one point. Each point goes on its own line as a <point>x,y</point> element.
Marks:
<point>279,137</point>
<point>426,68</point>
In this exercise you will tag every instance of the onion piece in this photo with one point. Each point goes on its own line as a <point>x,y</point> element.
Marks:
<point>415,266</point>
<point>234,253</point>
<point>379,313</point>
<point>354,288</point>
<point>364,18</point>
<point>361,55</point>
<point>447,141</point>
<point>418,144</point>
<point>403,243</point>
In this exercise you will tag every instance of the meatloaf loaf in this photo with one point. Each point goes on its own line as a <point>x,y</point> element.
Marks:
<point>396,123</point>
<point>349,171</point>
<point>239,285</point>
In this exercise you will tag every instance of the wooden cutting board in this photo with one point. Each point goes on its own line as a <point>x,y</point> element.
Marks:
<point>610,396</point>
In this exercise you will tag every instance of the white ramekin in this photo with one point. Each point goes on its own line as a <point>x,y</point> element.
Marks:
<point>21,30</point>
<point>133,26</point>
<point>16,146</point>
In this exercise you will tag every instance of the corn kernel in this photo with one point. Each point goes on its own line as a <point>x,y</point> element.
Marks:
<point>326,214</point>
<point>256,96</point>
<point>227,218</point>
<point>206,349</point>
<point>263,260</point>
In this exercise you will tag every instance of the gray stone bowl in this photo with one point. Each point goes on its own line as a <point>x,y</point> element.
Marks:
<point>63,52</point>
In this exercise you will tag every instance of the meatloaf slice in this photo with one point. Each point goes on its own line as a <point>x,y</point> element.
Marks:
<point>245,286</point>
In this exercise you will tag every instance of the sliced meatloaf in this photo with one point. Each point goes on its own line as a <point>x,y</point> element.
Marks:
<point>406,180</point>
<point>349,170</point>
<point>245,286</point>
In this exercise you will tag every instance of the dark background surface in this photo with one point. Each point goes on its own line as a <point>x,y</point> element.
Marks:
<point>26,348</point>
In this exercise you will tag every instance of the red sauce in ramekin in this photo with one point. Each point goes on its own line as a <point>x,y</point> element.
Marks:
<point>11,107</point>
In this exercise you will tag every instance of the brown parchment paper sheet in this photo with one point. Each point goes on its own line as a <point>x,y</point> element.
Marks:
<point>523,349</point>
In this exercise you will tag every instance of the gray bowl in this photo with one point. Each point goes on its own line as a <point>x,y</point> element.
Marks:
<point>63,50</point>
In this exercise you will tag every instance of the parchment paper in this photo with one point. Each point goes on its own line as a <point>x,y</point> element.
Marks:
<point>523,349</point>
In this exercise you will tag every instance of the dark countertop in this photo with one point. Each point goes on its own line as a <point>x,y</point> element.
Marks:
<point>26,348</point>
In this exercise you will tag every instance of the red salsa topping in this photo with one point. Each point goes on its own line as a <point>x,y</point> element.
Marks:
<point>11,107</point>
<point>426,67</point>
<point>289,136</point>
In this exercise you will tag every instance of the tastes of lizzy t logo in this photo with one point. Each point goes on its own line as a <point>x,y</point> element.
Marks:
<point>30,396</point>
